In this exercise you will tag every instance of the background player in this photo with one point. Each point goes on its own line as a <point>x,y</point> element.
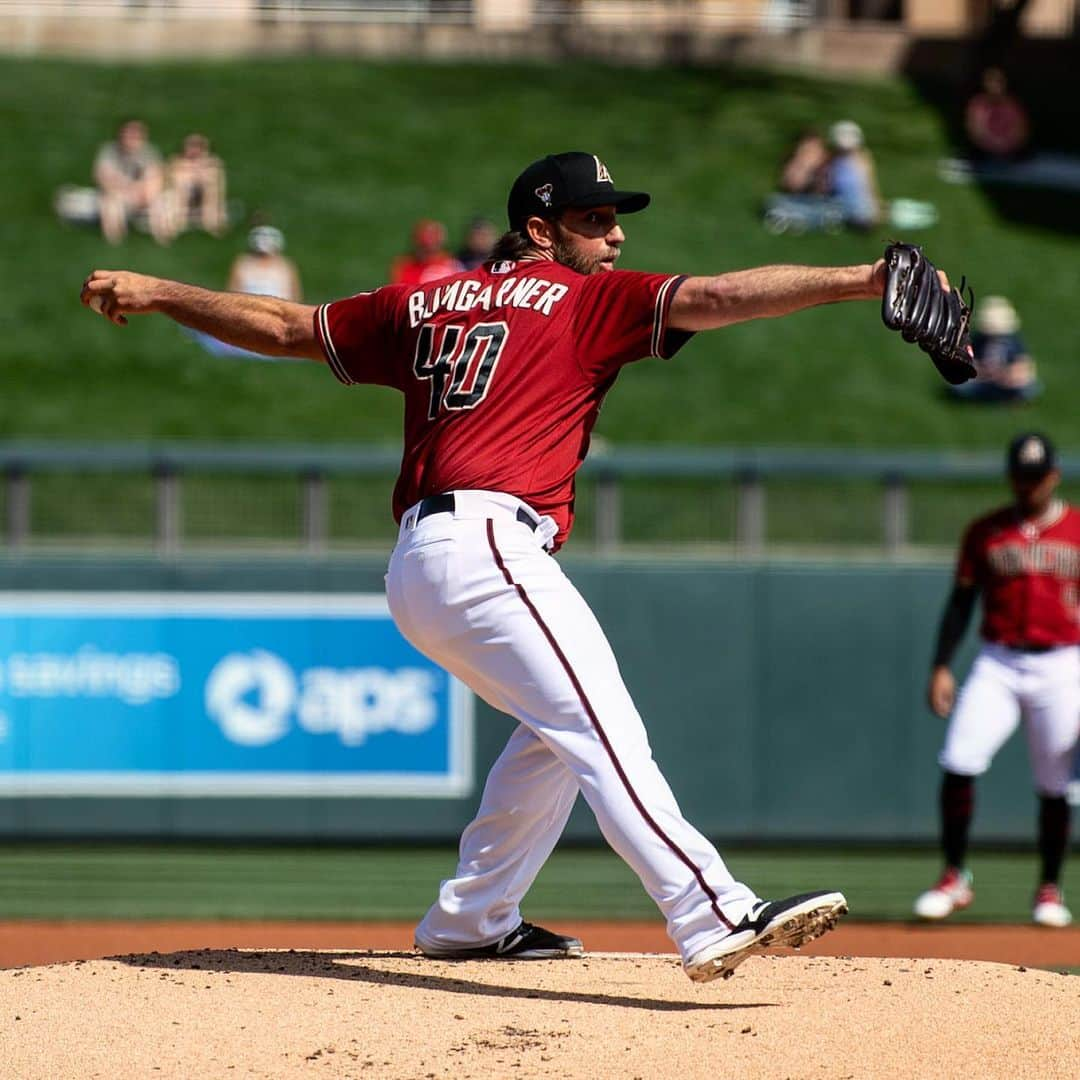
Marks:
<point>503,370</point>
<point>1025,561</point>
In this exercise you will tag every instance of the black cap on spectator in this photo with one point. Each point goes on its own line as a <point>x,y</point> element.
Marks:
<point>1031,454</point>
<point>571,179</point>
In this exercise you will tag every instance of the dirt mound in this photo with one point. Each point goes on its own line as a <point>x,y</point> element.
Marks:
<point>382,1014</point>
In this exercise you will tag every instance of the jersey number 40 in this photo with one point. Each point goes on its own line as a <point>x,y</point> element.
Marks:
<point>460,369</point>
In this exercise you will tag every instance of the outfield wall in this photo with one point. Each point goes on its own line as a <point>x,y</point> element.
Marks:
<point>784,701</point>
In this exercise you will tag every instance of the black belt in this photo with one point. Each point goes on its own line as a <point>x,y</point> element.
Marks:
<point>1033,648</point>
<point>446,503</point>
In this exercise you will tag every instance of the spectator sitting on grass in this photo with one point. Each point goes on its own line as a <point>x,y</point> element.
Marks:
<point>802,170</point>
<point>851,178</point>
<point>1006,372</point>
<point>428,259</point>
<point>994,119</point>
<point>479,239</point>
<point>131,184</point>
<point>264,269</point>
<point>197,187</point>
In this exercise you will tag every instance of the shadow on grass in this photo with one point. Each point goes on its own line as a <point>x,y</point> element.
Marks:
<point>363,967</point>
<point>1041,72</point>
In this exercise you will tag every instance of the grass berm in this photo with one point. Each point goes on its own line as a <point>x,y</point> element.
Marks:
<point>346,155</point>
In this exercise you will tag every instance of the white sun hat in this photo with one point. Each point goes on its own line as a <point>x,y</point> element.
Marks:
<point>995,315</point>
<point>846,135</point>
<point>266,240</point>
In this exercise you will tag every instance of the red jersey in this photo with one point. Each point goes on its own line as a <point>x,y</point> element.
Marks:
<point>1028,572</point>
<point>503,369</point>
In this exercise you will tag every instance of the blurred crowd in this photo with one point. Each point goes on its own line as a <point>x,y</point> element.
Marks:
<point>136,186</point>
<point>833,173</point>
<point>827,181</point>
<point>429,259</point>
<point>1007,372</point>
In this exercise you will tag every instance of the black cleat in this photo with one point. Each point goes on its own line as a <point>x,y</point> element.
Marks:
<point>527,942</point>
<point>791,923</point>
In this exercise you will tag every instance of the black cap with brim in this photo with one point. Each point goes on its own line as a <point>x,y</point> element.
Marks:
<point>560,181</point>
<point>625,202</point>
<point>1031,455</point>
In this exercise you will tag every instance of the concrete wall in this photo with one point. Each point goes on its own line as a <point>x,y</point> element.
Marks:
<point>839,48</point>
<point>647,32</point>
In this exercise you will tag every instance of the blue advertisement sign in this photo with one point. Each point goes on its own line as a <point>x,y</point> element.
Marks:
<point>223,694</point>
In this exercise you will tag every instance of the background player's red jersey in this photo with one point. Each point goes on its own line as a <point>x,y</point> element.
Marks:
<point>503,370</point>
<point>1028,572</point>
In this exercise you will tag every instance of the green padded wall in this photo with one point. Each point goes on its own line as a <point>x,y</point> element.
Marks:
<point>783,701</point>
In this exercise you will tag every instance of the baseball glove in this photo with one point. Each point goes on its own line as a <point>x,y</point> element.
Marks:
<point>926,314</point>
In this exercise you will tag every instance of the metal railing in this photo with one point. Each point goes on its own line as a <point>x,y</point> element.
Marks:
<point>284,11</point>
<point>667,14</point>
<point>608,470</point>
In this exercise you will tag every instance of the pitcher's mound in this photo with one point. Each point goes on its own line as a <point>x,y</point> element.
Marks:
<point>222,1013</point>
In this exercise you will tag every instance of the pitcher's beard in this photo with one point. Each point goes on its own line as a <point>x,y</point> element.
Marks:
<point>568,255</point>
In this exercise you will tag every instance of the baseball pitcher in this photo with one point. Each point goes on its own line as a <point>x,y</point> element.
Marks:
<point>503,370</point>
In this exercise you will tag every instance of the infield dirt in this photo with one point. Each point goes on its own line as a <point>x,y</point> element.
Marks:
<point>43,941</point>
<point>229,1012</point>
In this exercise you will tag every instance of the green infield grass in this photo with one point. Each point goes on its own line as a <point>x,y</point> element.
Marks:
<point>95,881</point>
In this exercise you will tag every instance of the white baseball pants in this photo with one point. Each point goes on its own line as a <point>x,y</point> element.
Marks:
<point>476,591</point>
<point>1004,686</point>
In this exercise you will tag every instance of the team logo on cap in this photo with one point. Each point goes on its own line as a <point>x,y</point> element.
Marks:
<point>602,175</point>
<point>544,194</point>
<point>1031,452</point>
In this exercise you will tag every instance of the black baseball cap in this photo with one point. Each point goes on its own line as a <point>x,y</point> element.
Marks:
<point>1031,454</point>
<point>572,179</point>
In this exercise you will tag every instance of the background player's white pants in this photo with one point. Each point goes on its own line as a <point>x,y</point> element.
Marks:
<point>476,592</point>
<point>1005,685</point>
